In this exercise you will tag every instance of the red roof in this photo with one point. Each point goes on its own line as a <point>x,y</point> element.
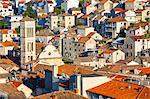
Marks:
<point>40,44</point>
<point>9,43</point>
<point>130,0</point>
<point>90,34</point>
<point>139,10</point>
<point>116,19</point>
<point>144,71</point>
<point>109,51</point>
<point>120,77</point>
<point>120,90</point>
<point>85,16</point>
<point>120,9</point>
<point>140,24</point>
<point>83,39</point>
<point>6,31</point>
<point>16,83</point>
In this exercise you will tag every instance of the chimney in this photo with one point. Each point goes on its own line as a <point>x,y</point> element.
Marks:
<point>54,71</point>
<point>76,91</point>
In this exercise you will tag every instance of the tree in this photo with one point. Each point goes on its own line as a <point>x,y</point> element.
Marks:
<point>81,3</point>
<point>57,10</point>
<point>29,12</point>
<point>3,25</point>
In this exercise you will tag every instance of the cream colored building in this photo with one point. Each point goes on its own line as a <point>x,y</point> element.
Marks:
<point>84,30</point>
<point>145,14</point>
<point>44,36</point>
<point>134,45</point>
<point>61,21</point>
<point>50,56</point>
<point>113,55</point>
<point>105,4</point>
<point>28,47</point>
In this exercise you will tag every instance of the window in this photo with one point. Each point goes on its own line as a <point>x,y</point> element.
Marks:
<point>127,53</point>
<point>143,41</point>
<point>30,46</point>
<point>30,32</point>
<point>49,53</point>
<point>148,13</point>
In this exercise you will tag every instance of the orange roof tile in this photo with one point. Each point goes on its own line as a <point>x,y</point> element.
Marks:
<point>139,10</point>
<point>9,43</point>
<point>40,44</point>
<point>119,90</point>
<point>130,0</point>
<point>109,51</point>
<point>6,31</point>
<point>140,24</point>
<point>119,9</point>
<point>116,19</point>
<point>90,34</point>
<point>16,83</point>
<point>144,71</point>
<point>12,92</point>
<point>85,16</point>
<point>83,39</point>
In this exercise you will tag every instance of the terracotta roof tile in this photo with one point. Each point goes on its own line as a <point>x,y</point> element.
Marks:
<point>120,90</point>
<point>120,10</point>
<point>83,39</point>
<point>144,71</point>
<point>116,19</point>
<point>140,24</point>
<point>9,43</point>
<point>12,91</point>
<point>109,51</point>
<point>6,31</point>
<point>85,16</point>
<point>130,0</point>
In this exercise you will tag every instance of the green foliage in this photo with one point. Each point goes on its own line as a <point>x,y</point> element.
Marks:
<point>81,3</point>
<point>3,25</point>
<point>147,19</point>
<point>67,61</point>
<point>29,12</point>
<point>131,24</point>
<point>57,10</point>
<point>38,28</point>
<point>18,30</point>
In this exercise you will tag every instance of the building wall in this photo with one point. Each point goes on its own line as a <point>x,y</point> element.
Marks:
<point>145,14</point>
<point>28,47</point>
<point>27,91</point>
<point>130,16</point>
<point>129,5</point>
<point>108,5</point>
<point>53,22</point>
<point>90,82</point>
<point>69,21</point>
